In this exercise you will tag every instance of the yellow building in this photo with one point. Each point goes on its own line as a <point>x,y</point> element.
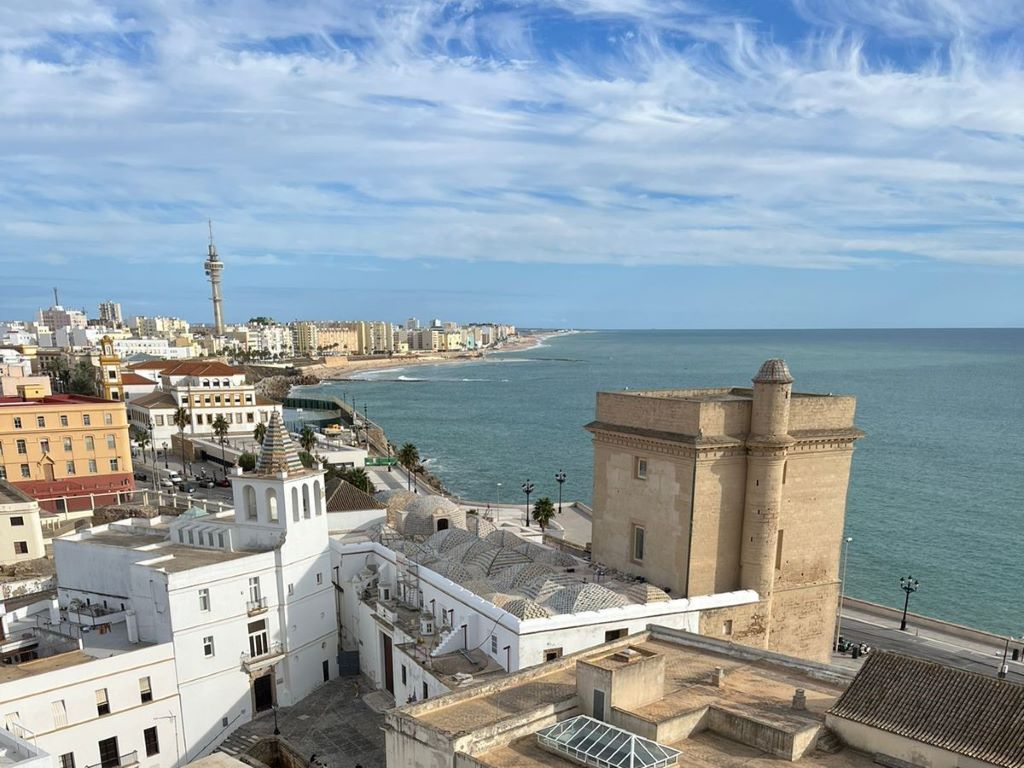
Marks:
<point>69,452</point>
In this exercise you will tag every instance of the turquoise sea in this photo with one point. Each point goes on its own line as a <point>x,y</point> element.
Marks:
<point>937,489</point>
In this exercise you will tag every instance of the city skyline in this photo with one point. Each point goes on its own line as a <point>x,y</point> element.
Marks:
<point>805,164</point>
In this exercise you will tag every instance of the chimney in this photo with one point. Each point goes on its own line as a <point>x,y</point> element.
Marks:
<point>800,700</point>
<point>718,677</point>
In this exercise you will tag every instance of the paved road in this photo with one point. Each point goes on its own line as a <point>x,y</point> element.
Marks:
<point>942,650</point>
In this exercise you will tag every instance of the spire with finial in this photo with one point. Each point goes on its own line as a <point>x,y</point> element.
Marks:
<point>278,453</point>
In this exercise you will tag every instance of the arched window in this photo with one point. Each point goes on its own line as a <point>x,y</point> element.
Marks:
<point>305,501</point>
<point>206,382</point>
<point>318,498</point>
<point>295,505</point>
<point>250,503</point>
<point>227,382</point>
<point>272,505</point>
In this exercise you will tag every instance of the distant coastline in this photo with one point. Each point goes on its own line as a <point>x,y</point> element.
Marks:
<point>350,369</point>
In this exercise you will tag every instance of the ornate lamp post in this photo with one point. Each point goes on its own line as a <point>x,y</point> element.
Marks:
<point>908,584</point>
<point>560,478</point>
<point>527,489</point>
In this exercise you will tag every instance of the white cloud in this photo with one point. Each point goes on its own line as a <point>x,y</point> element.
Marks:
<point>450,131</point>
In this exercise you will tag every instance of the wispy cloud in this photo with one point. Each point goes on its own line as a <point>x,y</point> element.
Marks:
<point>584,131</point>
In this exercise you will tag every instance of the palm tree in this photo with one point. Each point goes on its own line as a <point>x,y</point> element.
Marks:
<point>260,432</point>
<point>357,476</point>
<point>220,429</point>
<point>141,438</point>
<point>307,439</point>
<point>181,420</point>
<point>543,511</point>
<point>409,457</point>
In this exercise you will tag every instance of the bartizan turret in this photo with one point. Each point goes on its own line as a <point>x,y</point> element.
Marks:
<point>767,446</point>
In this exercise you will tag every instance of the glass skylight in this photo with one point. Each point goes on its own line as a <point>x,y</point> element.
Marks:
<point>591,742</point>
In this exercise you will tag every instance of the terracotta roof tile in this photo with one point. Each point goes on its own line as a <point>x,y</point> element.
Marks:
<point>154,400</point>
<point>962,712</point>
<point>188,368</point>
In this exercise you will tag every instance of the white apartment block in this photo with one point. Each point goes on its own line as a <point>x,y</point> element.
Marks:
<point>167,327</point>
<point>153,346</point>
<point>204,389</point>
<point>242,600</point>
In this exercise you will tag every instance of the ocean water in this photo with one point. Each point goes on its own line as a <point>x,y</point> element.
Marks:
<point>937,488</point>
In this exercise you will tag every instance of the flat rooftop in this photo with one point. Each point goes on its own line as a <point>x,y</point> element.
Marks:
<point>65,400</point>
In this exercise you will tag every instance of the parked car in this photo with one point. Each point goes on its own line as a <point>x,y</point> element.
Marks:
<point>205,482</point>
<point>140,475</point>
<point>165,482</point>
<point>187,487</point>
<point>174,477</point>
<point>223,482</point>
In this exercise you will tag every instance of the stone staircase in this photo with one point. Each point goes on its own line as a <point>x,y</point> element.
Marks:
<point>828,742</point>
<point>450,641</point>
<point>238,743</point>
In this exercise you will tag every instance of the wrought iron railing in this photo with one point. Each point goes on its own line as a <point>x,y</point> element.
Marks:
<point>121,761</point>
<point>256,606</point>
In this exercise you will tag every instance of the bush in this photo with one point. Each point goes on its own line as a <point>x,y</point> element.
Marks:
<point>247,461</point>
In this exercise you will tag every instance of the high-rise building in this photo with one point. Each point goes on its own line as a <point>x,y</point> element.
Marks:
<point>739,489</point>
<point>412,324</point>
<point>110,314</point>
<point>57,317</point>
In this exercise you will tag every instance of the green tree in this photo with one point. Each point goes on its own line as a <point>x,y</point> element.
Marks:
<point>247,461</point>
<point>409,457</point>
<point>220,430</point>
<point>181,419</point>
<point>306,458</point>
<point>141,438</point>
<point>83,379</point>
<point>355,475</point>
<point>307,438</point>
<point>259,432</point>
<point>543,511</point>
<point>59,373</point>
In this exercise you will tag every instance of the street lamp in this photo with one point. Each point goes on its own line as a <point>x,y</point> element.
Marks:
<point>166,465</point>
<point>560,478</point>
<point>908,584</point>
<point>152,445</point>
<point>277,731</point>
<point>497,493</point>
<point>527,489</point>
<point>842,592</point>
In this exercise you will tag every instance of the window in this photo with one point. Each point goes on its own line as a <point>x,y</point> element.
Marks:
<point>778,551</point>
<point>44,445</point>
<point>3,473</point>
<point>204,599</point>
<point>208,646</point>
<point>291,589</point>
<point>113,465</point>
<point>22,446</point>
<point>92,466</point>
<point>110,756</point>
<point>26,471</point>
<point>17,422</point>
<point>69,467</point>
<point>90,444</point>
<point>21,547</point>
<point>40,421</point>
<point>614,634</point>
<point>191,538</point>
<point>86,420</point>
<point>17,521</point>
<point>425,691</point>
<point>145,690</point>
<point>108,418</point>
<point>254,589</point>
<point>152,742</point>
<point>259,642</point>
<point>552,653</point>
<point>637,555</point>
<point>111,442</point>
<point>249,418</point>
<point>60,713</point>
<point>158,420</point>
<point>67,760</point>
<point>641,469</point>
<point>319,578</point>
<point>102,703</point>
<point>220,540</point>
<point>67,445</point>
<point>403,675</point>
<point>63,421</point>
<point>727,627</point>
<point>494,643</point>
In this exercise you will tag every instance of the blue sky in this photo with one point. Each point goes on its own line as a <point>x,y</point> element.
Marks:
<point>594,163</point>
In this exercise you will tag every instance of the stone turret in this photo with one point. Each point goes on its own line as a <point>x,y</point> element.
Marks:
<point>768,444</point>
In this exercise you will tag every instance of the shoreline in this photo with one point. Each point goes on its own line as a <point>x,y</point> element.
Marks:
<point>347,371</point>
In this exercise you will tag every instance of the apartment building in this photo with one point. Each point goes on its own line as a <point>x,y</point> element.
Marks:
<point>21,534</point>
<point>205,389</point>
<point>70,452</point>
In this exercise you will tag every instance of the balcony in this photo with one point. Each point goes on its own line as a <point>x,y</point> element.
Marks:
<point>271,656</point>
<point>259,605</point>
<point>121,761</point>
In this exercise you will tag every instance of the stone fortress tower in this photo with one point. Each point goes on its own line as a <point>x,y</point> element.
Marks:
<point>701,491</point>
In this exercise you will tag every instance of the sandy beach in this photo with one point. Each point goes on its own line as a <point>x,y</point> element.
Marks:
<point>345,370</point>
